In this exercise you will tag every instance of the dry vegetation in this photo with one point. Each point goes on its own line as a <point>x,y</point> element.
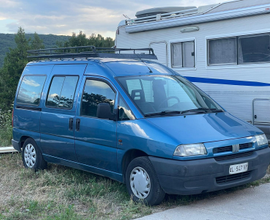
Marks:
<point>63,193</point>
<point>5,128</point>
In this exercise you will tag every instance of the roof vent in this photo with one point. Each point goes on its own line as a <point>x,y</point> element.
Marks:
<point>162,10</point>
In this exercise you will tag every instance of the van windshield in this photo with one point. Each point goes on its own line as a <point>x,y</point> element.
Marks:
<point>167,95</point>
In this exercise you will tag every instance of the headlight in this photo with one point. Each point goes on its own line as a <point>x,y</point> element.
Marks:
<point>261,140</point>
<point>187,150</point>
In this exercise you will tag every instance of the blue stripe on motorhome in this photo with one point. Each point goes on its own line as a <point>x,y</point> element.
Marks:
<point>225,81</point>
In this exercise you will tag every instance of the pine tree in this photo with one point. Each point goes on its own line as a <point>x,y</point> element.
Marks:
<point>14,63</point>
<point>37,43</point>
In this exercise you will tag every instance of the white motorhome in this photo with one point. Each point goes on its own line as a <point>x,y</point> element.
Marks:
<point>224,49</point>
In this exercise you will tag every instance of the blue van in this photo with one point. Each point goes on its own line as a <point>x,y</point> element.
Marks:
<point>132,120</point>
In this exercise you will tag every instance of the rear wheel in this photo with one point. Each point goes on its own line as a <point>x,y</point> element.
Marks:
<point>31,155</point>
<point>142,182</point>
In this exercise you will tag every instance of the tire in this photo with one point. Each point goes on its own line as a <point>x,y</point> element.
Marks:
<point>142,182</point>
<point>31,156</point>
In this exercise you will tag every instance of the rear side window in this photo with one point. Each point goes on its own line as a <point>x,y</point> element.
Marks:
<point>61,93</point>
<point>30,90</point>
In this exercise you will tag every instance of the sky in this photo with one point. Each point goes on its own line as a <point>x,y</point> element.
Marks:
<point>64,17</point>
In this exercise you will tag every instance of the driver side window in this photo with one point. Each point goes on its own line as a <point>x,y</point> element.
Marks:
<point>96,92</point>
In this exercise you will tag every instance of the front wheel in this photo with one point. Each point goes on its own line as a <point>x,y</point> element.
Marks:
<point>31,155</point>
<point>142,182</point>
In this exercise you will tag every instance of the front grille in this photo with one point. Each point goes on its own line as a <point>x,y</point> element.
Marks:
<point>245,146</point>
<point>230,148</point>
<point>222,149</point>
<point>232,178</point>
<point>233,156</point>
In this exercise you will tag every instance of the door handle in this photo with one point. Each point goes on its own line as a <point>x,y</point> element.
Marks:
<point>70,126</point>
<point>78,124</point>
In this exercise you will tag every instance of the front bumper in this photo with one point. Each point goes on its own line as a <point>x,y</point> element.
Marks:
<point>205,175</point>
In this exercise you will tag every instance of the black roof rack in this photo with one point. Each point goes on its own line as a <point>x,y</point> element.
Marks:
<point>92,51</point>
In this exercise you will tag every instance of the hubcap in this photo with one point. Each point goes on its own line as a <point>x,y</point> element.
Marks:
<point>30,155</point>
<point>140,182</point>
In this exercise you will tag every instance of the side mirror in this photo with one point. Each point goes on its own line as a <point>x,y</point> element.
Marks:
<point>104,111</point>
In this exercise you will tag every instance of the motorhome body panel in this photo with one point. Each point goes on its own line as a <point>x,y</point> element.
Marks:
<point>234,86</point>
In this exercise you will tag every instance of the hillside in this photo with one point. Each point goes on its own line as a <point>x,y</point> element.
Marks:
<point>7,41</point>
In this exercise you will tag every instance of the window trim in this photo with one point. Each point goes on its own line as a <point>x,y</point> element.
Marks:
<point>110,85</point>
<point>121,97</point>
<point>41,93</point>
<point>28,108</point>
<point>61,108</point>
<point>170,53</point>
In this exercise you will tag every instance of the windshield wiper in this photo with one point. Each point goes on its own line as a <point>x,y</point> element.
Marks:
<point>202,110</point>
<point>216,110</point>
<point>197,110</point>
<point>162,113</point>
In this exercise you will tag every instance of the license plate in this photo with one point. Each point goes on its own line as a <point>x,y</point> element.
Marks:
<point>238,168</point>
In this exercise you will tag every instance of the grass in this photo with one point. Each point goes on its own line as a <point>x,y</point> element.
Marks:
<point>5,128</point>
<point>64,193</point>
<point>61,193</point>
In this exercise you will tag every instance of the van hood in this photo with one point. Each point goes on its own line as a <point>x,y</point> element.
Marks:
<point>201,128</point>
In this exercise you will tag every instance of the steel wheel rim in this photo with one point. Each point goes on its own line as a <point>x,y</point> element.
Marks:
<point>30,155</point>
<point>140,182</point>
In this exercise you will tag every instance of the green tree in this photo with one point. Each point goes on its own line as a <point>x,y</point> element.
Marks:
<point>16,59</point>
<point>79,40</point>
<point>100,41</point>
<point>14,63</point>
<point>82,40</point>
<point>7,41</point>
<point>37,43</point>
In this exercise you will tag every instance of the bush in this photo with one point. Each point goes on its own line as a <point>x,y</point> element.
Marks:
<point>5,128</point>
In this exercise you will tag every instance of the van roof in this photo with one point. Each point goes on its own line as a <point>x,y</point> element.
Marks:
<point>92,51</point>
<point>111,67</point>
<point>110,62</point>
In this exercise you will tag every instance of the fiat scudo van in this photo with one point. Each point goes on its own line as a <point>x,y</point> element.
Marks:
<point>133,120</point>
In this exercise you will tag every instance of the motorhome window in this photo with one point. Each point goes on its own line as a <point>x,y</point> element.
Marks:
<point>30,90</point>
<point>61,93</point>
<point>124,112</point>
<point>183,55</point>
<point>239,50</point>
<point>188,54</point>
<point>222,51</point>
<point>177,60</point>
<point>96,92</point>
<point>254,49</point>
